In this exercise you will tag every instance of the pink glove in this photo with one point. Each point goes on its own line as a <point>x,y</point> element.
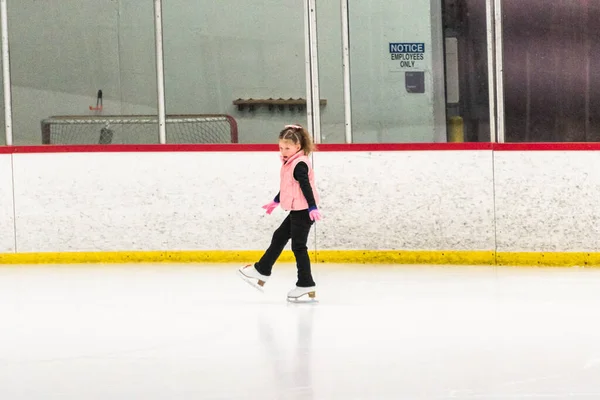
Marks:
<point>270,207</point>
<point>315,215</point>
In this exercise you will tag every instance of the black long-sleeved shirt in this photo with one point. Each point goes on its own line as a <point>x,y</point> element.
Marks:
<point>301,175</point>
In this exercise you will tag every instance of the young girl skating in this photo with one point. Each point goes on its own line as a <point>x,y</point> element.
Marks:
<point>299,196</point>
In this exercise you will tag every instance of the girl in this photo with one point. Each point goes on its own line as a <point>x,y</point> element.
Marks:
<point>298,195</point>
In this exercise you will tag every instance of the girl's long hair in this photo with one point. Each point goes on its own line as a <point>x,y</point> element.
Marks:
<point>298,134</point>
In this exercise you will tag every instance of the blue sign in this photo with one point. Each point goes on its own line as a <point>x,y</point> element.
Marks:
<point>407,55</point>
<point>403,48</point>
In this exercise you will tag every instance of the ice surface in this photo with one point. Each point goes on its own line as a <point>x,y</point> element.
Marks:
<point>167,331</point>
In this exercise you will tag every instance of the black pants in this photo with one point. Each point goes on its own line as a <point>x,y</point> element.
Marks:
<point>296,226</point>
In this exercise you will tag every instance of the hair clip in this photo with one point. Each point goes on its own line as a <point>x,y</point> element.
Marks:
<point>293,127</point>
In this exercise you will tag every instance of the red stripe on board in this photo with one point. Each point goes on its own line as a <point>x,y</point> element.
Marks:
<point>565,146</point>
<point>123,148</point>
<point>236,147</point>
<point>127,148</point>
<point>404,146</point>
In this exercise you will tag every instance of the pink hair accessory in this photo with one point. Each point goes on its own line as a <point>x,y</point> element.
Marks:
<point>293,126</point>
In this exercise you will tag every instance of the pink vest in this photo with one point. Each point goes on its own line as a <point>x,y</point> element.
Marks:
<point>290,194</point>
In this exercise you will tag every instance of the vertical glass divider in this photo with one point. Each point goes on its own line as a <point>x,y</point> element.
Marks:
<point>6,74</point>
<point>346,71</point>
<point>160,80</point>
<point>307,65</point>
<point>489,14</point>
<point>313,101</point>
<point>499,70</point>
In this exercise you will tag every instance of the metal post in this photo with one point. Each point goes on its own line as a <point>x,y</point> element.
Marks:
<point>160,75</point>
<point>307,66</point>
<point>489,14</point>
<point>314,55</point>
<point>346,71</point>
<point>312,89</point>
<point>6,74</point>
<point>499,70</point>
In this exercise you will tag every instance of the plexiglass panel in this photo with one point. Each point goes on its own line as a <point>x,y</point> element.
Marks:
<point>64,53</point>
<point>418,71</point>
<point>241,61</point>
<point>551,70</point>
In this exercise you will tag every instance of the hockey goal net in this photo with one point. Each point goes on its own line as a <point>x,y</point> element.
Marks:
<point>138,129</point>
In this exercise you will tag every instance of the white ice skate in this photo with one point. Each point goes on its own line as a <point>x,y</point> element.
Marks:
<point>253,277</point>
<point>302,295</point>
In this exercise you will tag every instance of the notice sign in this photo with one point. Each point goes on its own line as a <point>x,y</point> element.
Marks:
<point>407,55</point>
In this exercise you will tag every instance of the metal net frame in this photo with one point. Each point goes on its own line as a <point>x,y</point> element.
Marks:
<point>138,129</point>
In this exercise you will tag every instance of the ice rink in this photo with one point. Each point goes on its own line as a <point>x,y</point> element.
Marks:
<point>167,331</point>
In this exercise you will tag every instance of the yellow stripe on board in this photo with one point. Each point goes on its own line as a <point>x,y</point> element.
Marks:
<point>450,257</point>
<point>548,259</point>
<point>120,257</point>
<point>323,256</point>
<point>405,257</point>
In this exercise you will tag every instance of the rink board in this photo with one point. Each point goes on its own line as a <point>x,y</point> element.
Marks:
<point>172,202</point>
<point>401,205</point>
<point>89,202</point>
<point>7,222</point>
<point>547,201</point>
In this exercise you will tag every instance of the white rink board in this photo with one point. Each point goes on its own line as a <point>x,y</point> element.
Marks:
<point>212,201</point>
<point>7,222</point>
<point>144,201</point>
<point>429,200</point>
<point>547,200</point>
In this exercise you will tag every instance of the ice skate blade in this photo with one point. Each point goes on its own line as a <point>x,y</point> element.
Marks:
<point>251,282</point>
<point>295,301</point>
<point>307,298</point>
